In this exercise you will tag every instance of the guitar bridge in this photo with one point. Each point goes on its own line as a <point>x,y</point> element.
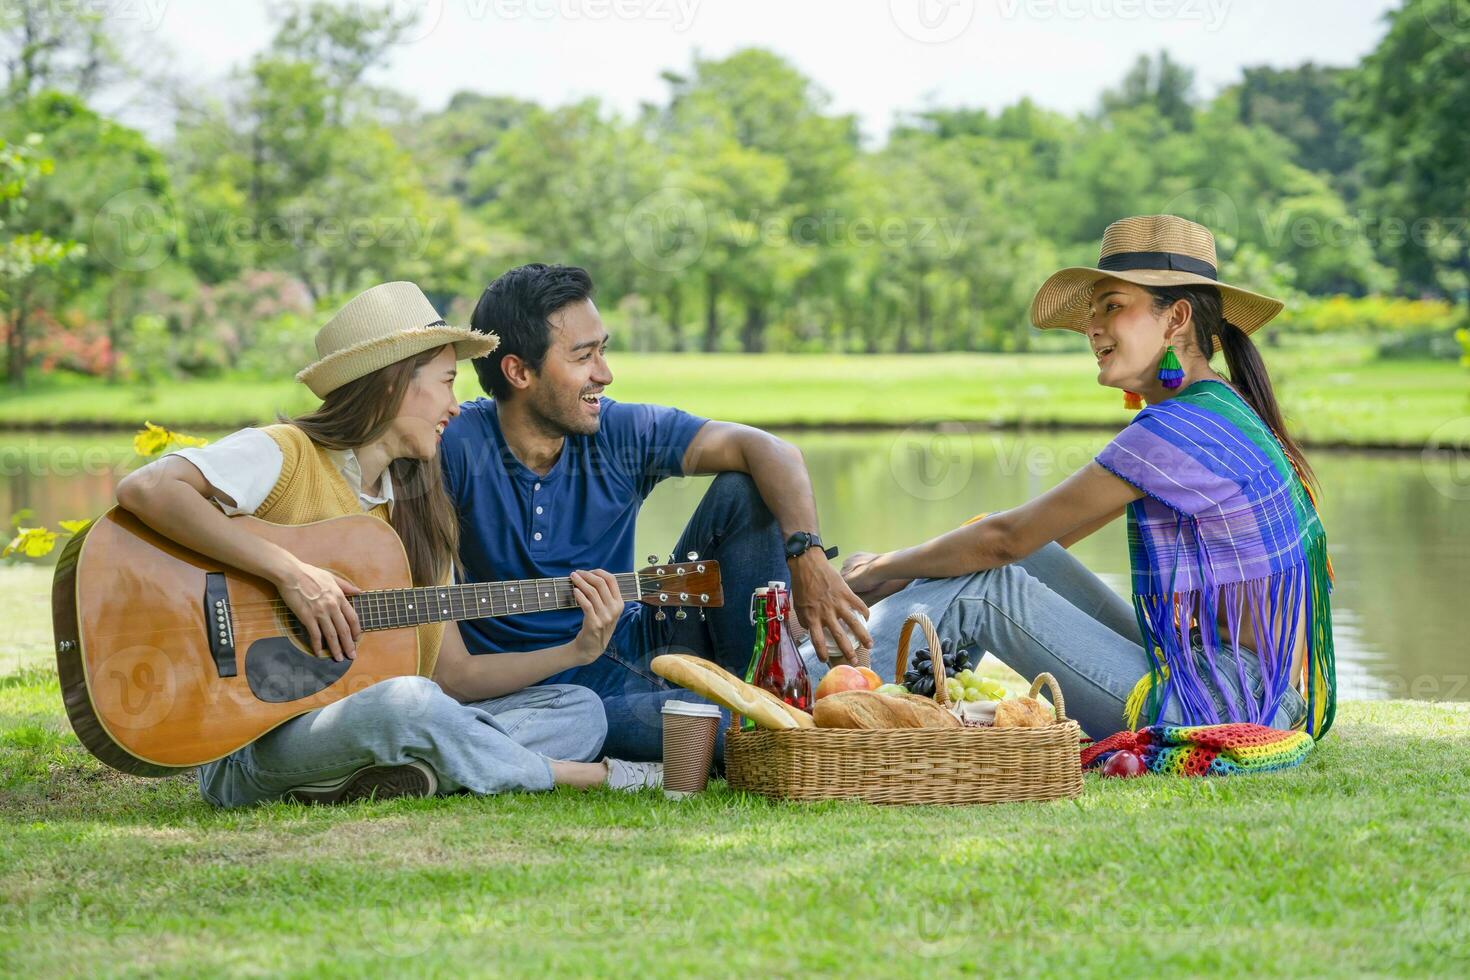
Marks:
<point>219,623</point>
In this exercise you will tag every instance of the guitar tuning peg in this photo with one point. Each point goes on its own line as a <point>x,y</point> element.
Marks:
<point>660,616</point>
<point>653,559</point>
<point>681,615</point>
<point>701,614</point>
<point>694,556</point>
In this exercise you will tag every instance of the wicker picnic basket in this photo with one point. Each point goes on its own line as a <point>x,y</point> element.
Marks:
<point>912,765</point>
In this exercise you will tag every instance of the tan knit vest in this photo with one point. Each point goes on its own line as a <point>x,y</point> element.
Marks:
<point>311,488</point>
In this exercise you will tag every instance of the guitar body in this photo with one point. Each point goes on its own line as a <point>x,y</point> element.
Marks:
<point>156,679</point>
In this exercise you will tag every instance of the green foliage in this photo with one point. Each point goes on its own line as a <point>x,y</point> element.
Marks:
<point>1406,104</point>
<point>1161,86</point>
<point>1371,315</point>
<point>739,212</point>
<point>24,252</point>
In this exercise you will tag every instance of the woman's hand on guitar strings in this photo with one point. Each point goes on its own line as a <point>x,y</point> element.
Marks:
<point>318,597</point>
<point>601,601</point>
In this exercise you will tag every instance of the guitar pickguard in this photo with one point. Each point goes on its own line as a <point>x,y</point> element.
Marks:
<point>278,671</point>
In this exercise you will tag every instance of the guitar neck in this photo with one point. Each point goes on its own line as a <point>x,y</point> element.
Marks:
<point>388,609</point>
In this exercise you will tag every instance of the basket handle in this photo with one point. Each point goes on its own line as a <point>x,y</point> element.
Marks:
<point>1055,696</point>
<point>936,657</point>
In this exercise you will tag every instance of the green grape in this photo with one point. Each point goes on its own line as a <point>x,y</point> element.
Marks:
<point>973,694</point>
<point>965,676</point>
<point>993,690</point>
<point>954,689</point>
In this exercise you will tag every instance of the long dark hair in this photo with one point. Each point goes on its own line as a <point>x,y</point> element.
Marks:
<point>423,515</point>
<point>1242,359</point>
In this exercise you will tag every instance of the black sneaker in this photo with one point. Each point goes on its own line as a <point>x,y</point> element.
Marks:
<point>372,783</point>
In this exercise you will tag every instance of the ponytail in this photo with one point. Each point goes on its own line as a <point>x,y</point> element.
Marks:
<point>1247,369</point>
<point>1248,375</point>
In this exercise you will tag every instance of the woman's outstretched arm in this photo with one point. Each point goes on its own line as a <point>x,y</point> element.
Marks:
<point>1085,500</point>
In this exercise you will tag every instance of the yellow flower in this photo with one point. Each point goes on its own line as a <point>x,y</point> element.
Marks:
<point>152,440</point>
<point>32,542</point>
<point>72,527</point>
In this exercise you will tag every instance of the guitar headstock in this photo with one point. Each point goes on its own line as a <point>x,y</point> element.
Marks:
<point>681,583</point>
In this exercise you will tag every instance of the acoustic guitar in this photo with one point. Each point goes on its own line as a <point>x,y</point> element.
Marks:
<point>168,659</point>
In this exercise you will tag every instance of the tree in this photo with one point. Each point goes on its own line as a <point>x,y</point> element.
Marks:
<point>758,102</point>
<point>453,142</point>
<point>49,45</point>
<point>1406,102</point>
<point>298,173</point>
<point>23,255</point>
<point>1303,105</point>
<point>1160,84</point>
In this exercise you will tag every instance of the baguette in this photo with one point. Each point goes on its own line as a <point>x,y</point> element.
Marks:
<point>871,710</point>
<point>722,687</point>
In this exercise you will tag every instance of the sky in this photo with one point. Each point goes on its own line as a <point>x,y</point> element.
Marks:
<point>876,58</point>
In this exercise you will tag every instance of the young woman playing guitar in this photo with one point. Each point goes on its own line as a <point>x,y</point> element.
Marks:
<point>386,380</point>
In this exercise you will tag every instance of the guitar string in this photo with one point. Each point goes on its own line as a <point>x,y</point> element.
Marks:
<point>392,600</point>
<point>278,607</point>
<point>397,601</point>
<point>642,584</point>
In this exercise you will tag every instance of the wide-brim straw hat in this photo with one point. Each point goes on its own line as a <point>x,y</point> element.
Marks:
<point>379,327</point>
<point>1148,250</point>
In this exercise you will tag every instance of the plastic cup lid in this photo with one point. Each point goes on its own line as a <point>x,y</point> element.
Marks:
<point>693,709</point>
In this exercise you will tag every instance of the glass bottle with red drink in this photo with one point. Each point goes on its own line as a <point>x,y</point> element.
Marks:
<point>775,665</point>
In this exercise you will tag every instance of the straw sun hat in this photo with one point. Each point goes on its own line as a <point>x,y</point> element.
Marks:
<point>1148,250</point>
<point>382,325</point>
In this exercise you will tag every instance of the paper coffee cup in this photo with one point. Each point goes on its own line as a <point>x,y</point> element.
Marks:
<point>689,746</point>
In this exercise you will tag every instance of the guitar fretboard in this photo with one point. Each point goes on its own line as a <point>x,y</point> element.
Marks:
<point>396,608</point>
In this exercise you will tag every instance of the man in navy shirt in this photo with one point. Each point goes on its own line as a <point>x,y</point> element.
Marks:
<point>548,476</point>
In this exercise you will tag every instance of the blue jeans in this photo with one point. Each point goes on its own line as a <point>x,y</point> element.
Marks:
<point>484,747</point>
<point>733,526</point>
<point>1047,613</point>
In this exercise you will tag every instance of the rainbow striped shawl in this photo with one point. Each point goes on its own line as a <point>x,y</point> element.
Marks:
<point>1225,523</point>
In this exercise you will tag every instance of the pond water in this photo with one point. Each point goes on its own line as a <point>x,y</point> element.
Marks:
<point>1398,525</point>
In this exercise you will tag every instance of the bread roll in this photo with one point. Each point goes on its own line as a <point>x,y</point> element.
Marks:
<point>1023,713</point>
<point>871,710</point>
<point>722,687</point>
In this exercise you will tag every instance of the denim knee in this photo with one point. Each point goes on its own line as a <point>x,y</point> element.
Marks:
<point>584,712</point>
<point>401,705</point>
<point>737,490</point>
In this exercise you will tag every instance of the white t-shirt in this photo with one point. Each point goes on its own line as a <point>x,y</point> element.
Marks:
<point>245,466</point>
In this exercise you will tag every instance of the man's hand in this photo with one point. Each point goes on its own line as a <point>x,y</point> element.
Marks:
<point>857,572</point>
<point>597,594</point>
<point>826,606</point>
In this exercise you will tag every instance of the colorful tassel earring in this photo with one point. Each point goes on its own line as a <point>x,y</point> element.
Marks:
<point>1132,400</point>
<point>1171,375</point>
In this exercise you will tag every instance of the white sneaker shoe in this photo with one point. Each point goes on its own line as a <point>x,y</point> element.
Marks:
<point>633,776</point>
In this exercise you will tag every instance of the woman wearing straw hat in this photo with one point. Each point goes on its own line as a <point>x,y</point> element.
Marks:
<point>1231,617</point>
<point>385,374</point>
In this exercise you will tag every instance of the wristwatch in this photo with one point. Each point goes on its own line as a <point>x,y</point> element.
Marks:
<point>798,543</point>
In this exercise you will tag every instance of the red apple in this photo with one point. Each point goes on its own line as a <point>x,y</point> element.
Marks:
<point>1123,764</point>
<point>842,678</point>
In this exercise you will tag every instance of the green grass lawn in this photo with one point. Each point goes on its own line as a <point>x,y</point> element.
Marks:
<point>1332,394</point>
<point>1354,863</point>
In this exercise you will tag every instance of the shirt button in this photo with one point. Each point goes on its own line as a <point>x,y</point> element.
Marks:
<point>537,535</point>
<point>538,510</point>
<point>536,487</point>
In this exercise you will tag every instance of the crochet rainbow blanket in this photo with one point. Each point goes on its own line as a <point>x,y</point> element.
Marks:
<point>1206,750</point>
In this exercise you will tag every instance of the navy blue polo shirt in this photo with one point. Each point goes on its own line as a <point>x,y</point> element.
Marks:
<point>515,524</point>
